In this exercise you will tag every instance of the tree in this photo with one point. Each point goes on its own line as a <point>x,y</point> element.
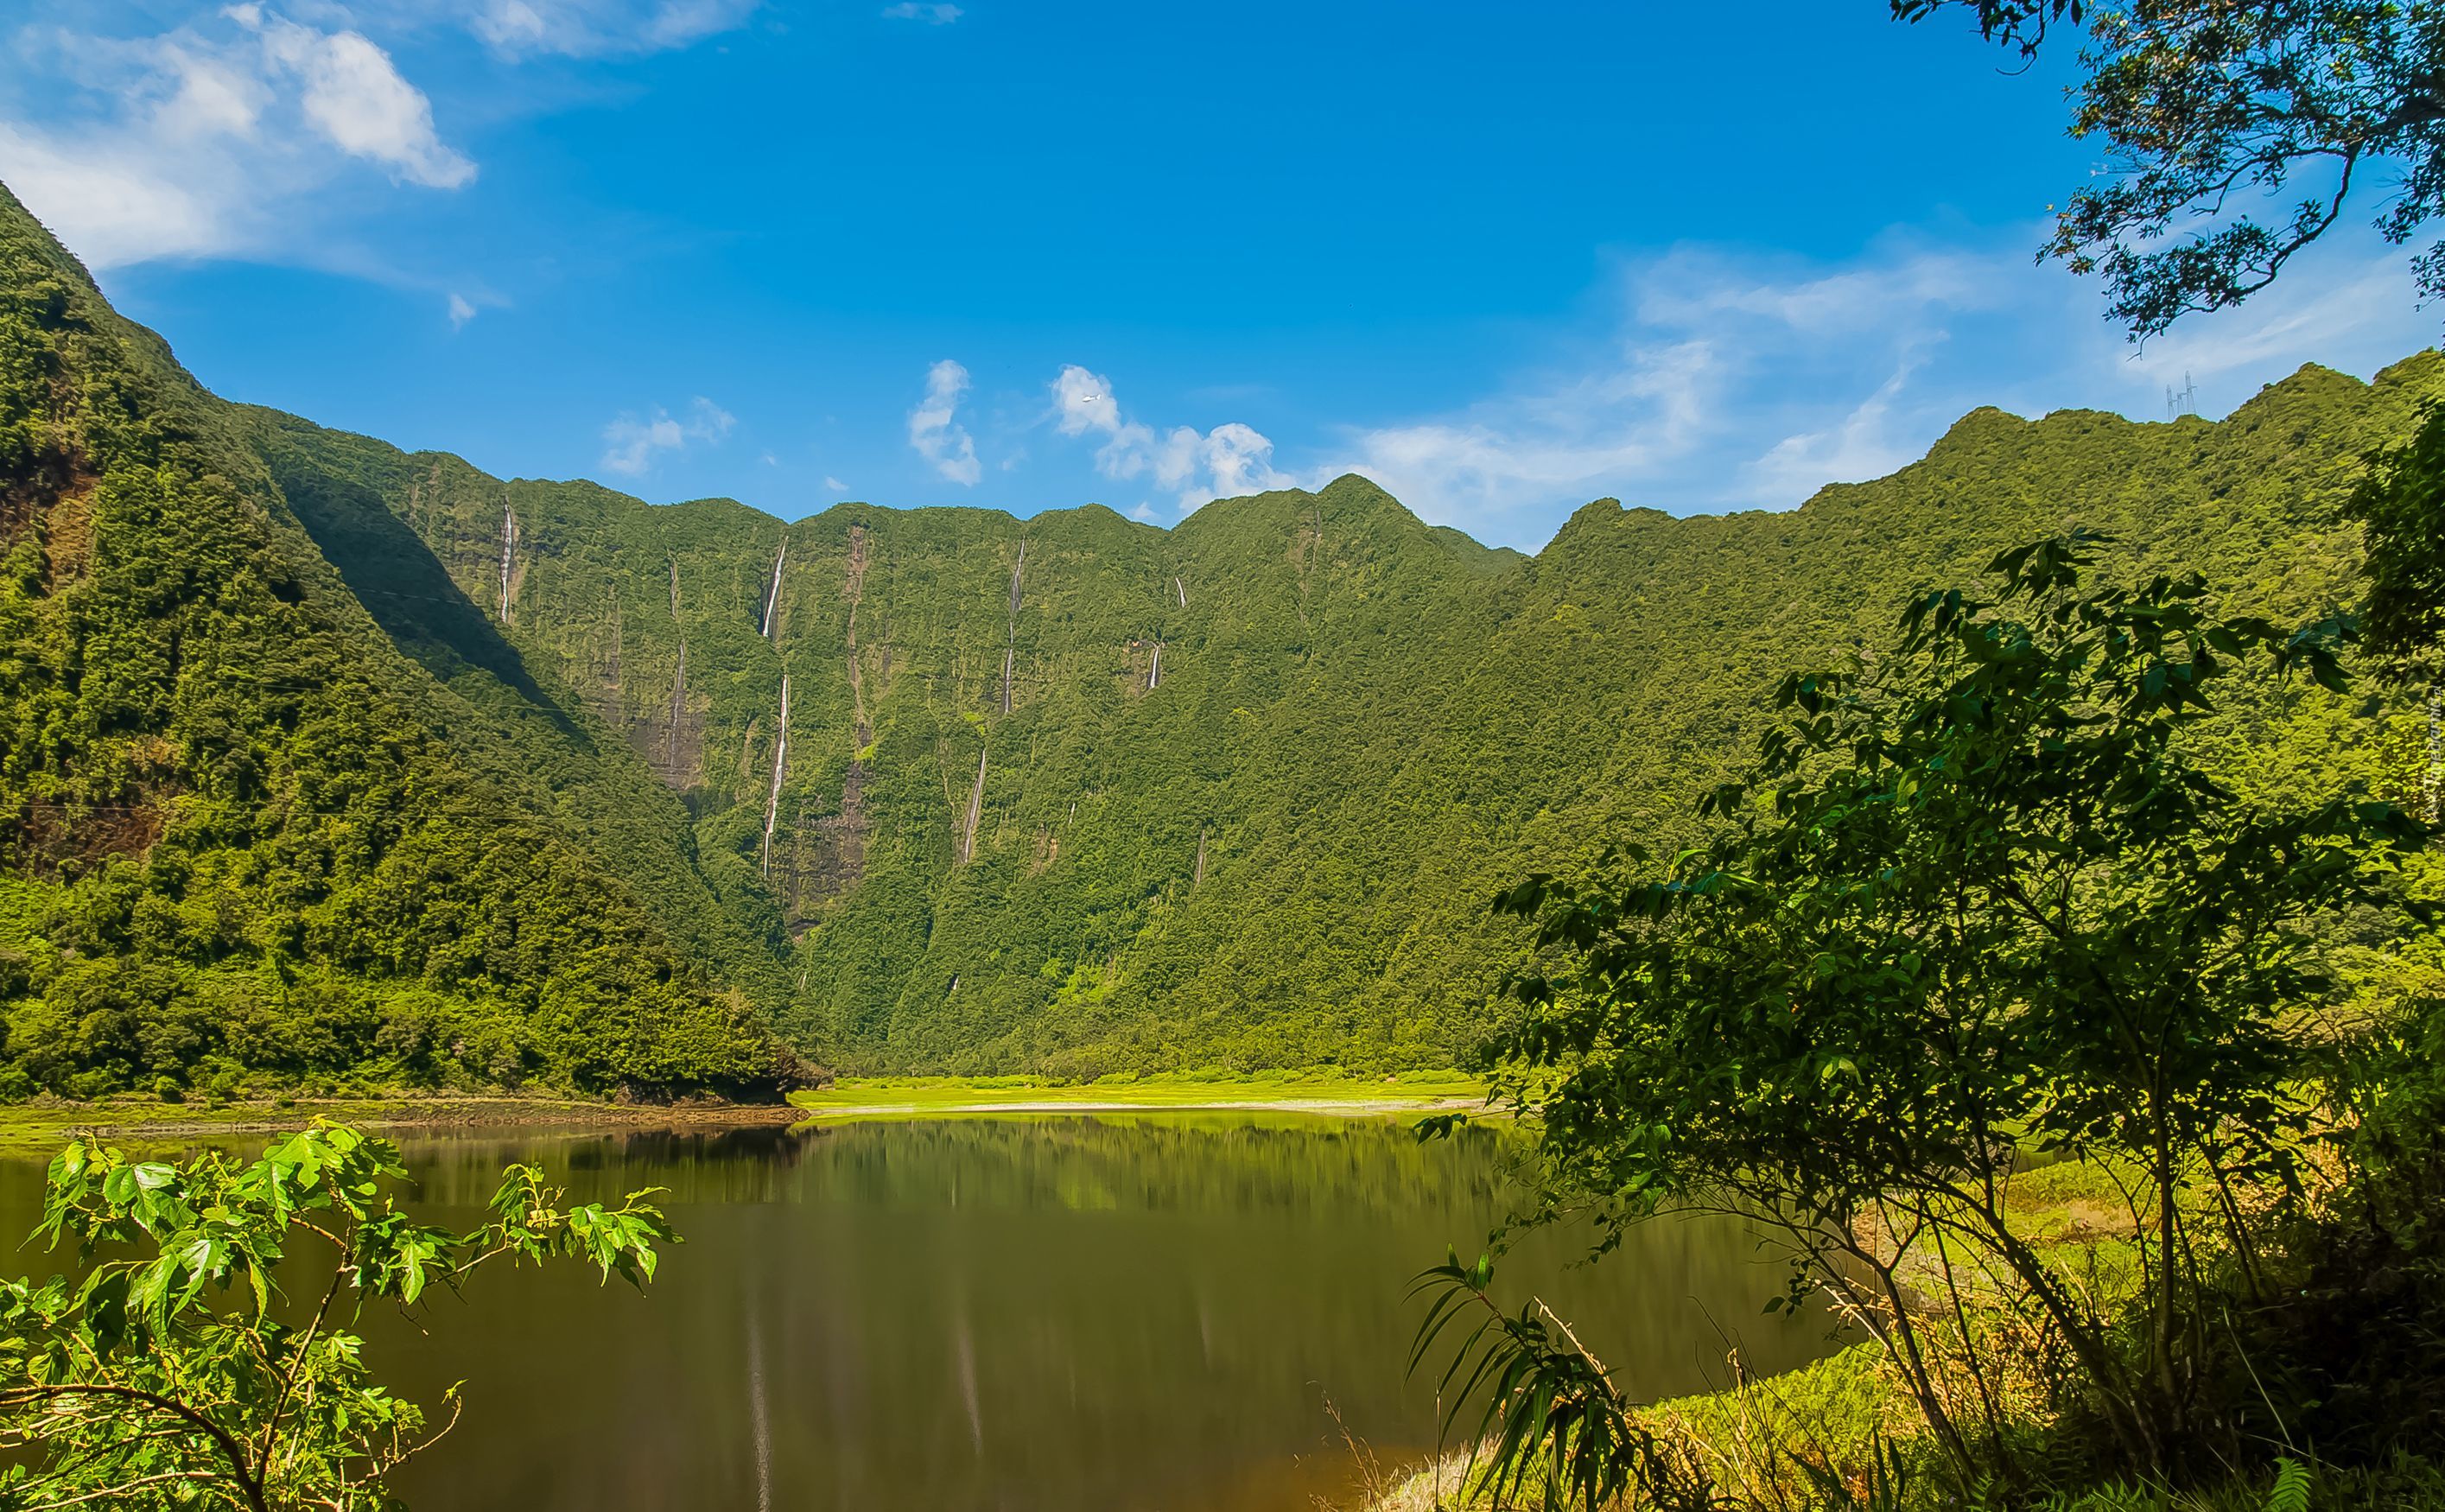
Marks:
<point>181,1367</point>
<point>1975,902</point>
<point>2400,507</point>
<point>2211,110</point>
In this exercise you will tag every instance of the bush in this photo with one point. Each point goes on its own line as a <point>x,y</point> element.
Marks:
<point>158,1365</point>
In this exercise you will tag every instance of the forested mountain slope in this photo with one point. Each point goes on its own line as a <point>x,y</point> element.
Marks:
<point>527,777</point>
<point>1078,794</point>
<point>241,833</point>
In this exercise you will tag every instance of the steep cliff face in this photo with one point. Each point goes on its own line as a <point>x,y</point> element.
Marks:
<point>239,830</point>
<point>1071,792</point>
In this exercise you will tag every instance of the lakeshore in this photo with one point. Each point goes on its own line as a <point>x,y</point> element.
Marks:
<point>134,1118</point>
<point>863,1098</point>
<point>29,1126</point>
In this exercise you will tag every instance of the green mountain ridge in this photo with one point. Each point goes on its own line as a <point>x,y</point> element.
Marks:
<point>1074,794</point>
<point>243,835</point>
<point>1258,775</point>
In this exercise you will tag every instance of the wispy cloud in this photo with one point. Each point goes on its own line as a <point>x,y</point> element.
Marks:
<point>200,141</point>
<point>1862,444</point>
<point>1731,380</point>
<point>1520,450</point>
<point>593,27</point>
<point>933,15</point>
<point>462,312</point>
<point>2353,311</point>
<point>630,444</point>
<point>1229,460</point>
<point>1737,380</point>
<point>934,428</point>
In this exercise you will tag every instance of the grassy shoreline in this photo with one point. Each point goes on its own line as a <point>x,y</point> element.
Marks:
<point>37,1128</point>
<point>878,1098</point>
<point>1850,1414</point>
<point>31,1129</point>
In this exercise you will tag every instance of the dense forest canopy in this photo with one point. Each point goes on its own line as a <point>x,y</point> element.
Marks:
<point>328,760</point>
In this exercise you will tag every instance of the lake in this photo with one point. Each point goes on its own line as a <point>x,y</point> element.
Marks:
<point>1170,1312</point>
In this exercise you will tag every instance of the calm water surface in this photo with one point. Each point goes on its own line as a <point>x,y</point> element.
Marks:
<point>1156,1314</point>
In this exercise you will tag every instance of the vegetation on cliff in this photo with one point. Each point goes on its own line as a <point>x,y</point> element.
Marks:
<point>1073,795</point>
<point>330,762</point>
<point>242,835</point>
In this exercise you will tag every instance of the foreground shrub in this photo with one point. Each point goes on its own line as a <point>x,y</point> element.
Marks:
<point>202,1356</point>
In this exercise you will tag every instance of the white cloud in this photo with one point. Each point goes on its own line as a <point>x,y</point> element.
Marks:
<point>112,203</point>
<point>933,15</point>
<point>208,95</point>
<point>834,485</point>
<point>1083,402</point>
<point>1230,459</point>
<point>207,140</point>
<point>934,429</point>
<point>460,311</point>
<point>228,134</point>
<point>595,28</point>
<point>357,99</point>
<point>1238,460</point>
<point>629,444</point>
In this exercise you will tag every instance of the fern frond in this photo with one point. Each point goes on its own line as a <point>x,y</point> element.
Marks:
<point>2291,1491</point>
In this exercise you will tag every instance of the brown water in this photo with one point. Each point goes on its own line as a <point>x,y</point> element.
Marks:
<point>1156,1314</point>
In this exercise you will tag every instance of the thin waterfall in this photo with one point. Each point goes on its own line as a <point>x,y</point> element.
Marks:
<point>1010,645</point>
<point>1154,669</point>
<point>679,703</point>
<point>509,556</point>
<point>780,764</point>
<point>773,594</point>
<point>1178,589</point>
<point>976,814</point>
<point>675,590</point>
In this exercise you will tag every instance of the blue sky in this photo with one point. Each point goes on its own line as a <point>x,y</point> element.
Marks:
<point>1502,258</point>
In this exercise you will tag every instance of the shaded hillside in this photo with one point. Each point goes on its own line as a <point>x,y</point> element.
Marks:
<point>1074,793</point>
<point>242,835</point>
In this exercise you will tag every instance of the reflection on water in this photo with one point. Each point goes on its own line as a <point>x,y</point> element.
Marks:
<point>1078,1312</point>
